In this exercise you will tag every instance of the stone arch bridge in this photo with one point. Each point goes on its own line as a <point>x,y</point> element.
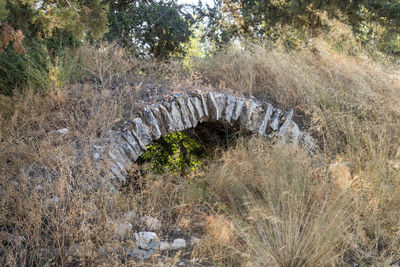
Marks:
<point>179,112</point>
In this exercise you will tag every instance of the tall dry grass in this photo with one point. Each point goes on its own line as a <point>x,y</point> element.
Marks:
<point>257,205</point>
<point>350,105</point>
<point>284,211</point>
<point>54,209</point>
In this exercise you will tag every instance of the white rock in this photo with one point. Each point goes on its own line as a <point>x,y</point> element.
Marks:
<point>179,243</point>
<point>96,156</point>
<point>62,131</point>
<point>147,240</point>
<point>165,246</point>
<point>181,263</point>
<point>122,228</point>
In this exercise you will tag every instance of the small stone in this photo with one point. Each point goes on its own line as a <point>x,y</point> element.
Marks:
<point>395,164</point>
<point>63,131</point>
<point>165,246</point>
<point>123,228</point>
<point>147,240</point>
<point>96,156</point>
<point>179,243</point>
<point>181,263</point>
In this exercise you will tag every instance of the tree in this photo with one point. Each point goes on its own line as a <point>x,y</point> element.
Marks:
<point>259,18</point>
<point>149,28</point>
<point>39,19</point>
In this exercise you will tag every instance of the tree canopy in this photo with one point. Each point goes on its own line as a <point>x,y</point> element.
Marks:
<point>149,27</point>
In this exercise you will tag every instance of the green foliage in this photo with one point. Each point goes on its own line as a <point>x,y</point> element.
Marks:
<point>23,71</point>
<point>174,153</point>
<point>373,22</point>
<point>49,27</point>
<point>149,27</point>
<point>47,18</point>
<point>3,10</point>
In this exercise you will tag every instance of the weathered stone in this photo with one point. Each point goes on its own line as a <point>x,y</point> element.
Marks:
<point>289,131</point>
<point>184,113</point>
<point>152,122</point>
<point>239,107</point>
<point>245,117</point>
<point>62,131</point>
<point>130,151</point>
<point>176,117</point>
<point>230,105</point>
<point>132,148</point>
<point>147,240</point>
<point>160,119</point>
<point>119,158</point>
<point>123,228</point>
<point>220,99</point>
<point>179,243</point>
<point>118,174</point>
<point>275,119</point>
<point>169,121</point>
<point>203,102</point>
<point>256,119</point>
<point>212,106</point>
<point>192,115</point>
<point>142,132</point>
<point>267,118</point>
<point>198,109</point>
<point>165,246</point>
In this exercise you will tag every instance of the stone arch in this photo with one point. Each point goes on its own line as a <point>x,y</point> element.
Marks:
<point>183,111</point>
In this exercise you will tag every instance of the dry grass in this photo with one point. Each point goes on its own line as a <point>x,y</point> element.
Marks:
<point>284,211</point>
<point>259,204</point>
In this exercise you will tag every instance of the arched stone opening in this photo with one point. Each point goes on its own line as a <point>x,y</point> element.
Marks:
<point>199,111</point>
